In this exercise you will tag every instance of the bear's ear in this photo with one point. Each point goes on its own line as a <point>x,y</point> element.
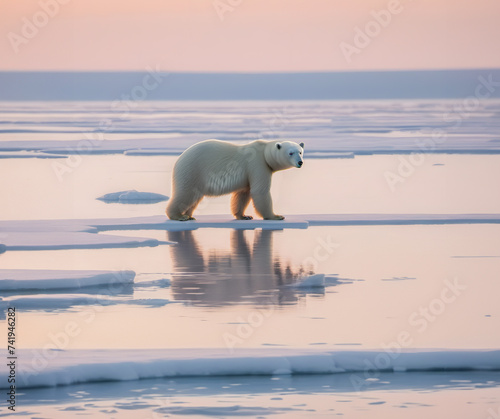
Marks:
<point>302,145</point>
<point>278,146</point>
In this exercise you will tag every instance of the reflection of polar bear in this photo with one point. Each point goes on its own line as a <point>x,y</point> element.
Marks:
<point>248,270</point>
<point>213,168</point>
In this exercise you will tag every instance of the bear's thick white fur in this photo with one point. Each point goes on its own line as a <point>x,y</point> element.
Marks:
<point>214,168</point>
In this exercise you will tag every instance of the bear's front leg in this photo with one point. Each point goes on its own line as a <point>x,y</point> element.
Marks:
<point>263,204</point>
<point>239,203</point>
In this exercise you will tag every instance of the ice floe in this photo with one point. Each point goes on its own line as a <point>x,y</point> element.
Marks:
<point>23,154</point>
<point>318,282</point>
<point>152,280</point>
<point>25,240</point>
<point>65,367</point>
<point>49,303</point>
<point>311,281</point>
<point>82,234</point>
<point>36,279</point>
<point>133,197</point>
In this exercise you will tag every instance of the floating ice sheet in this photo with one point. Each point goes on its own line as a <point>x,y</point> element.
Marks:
<point>133,197</point>
<point>25,240</point>
<point>36,279</point>
<point>81,234</point>
<point>65,367</point>
<point>50,303</point>
<point>311,281</point>
<point>29,155</point>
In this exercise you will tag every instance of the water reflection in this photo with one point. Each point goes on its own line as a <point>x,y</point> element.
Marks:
<point>246,272</point>
<point>234,386</point>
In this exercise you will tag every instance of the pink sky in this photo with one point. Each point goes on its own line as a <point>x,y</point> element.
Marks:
<point>253,35</point>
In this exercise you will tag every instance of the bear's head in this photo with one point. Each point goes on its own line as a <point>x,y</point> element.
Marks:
<point>285,155</point>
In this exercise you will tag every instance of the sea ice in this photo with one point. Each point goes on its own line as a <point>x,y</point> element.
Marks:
<point>49,303</point>
<point>311,281</point>
<point>133,197</point>
<point>64,367</point>
<point>35,279</point>
<point>81,234</point>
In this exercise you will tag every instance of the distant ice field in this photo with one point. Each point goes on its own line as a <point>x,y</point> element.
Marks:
<point>326,126</point>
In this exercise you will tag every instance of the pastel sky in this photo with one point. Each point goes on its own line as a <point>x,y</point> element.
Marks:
<point>248,35</point>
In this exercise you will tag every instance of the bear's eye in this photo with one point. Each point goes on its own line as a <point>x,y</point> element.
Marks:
<point>291,153</point>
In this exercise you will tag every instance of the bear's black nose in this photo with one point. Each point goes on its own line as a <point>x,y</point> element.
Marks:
<point>300,163</point>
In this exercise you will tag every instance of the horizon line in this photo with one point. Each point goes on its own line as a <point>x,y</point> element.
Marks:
<point>257,72</point>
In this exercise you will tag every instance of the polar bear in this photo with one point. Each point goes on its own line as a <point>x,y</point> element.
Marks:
<point>214,168</point>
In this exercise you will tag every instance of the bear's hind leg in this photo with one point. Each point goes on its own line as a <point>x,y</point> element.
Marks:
<point>174,211</point>
<point>181,207</point>
<point>239,203</point>
<point>191,209</point>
